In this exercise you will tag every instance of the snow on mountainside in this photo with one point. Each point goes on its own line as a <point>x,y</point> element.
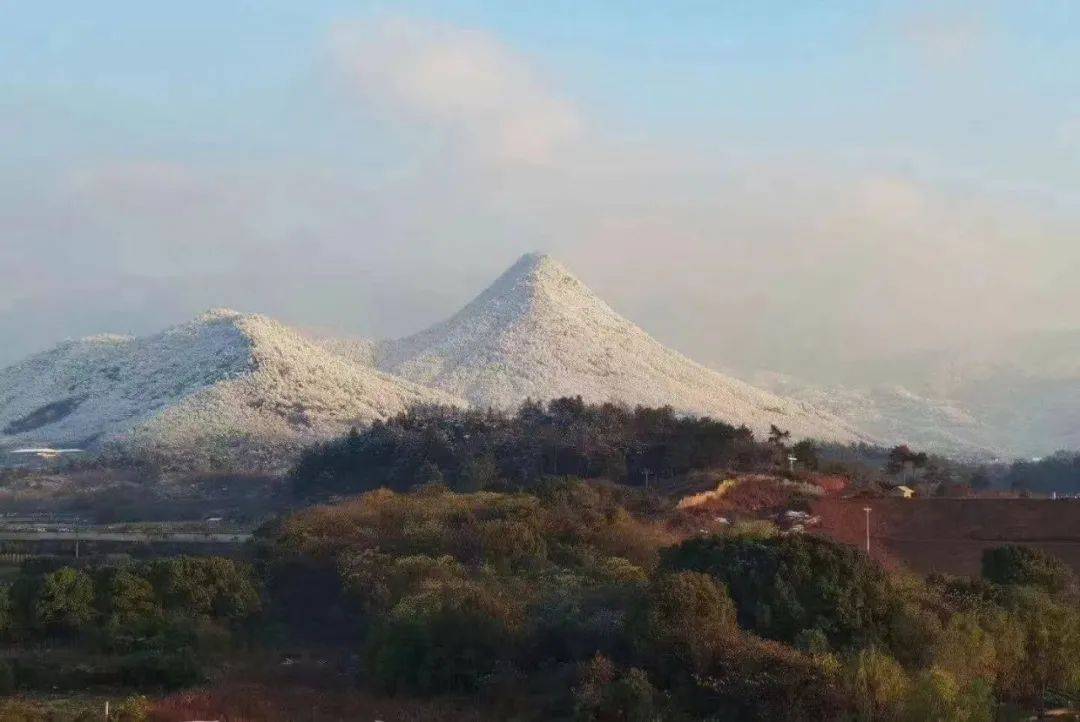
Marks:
<point>538,332</point>
<point>224,386</point>
<point>895,414</point>
<point>1016,397</point>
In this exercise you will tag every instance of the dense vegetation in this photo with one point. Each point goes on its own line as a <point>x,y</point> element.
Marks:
<point>1059,473</point>
<point>561,604</point>
<point>465,560</point>
<point>471,450</point>
<point>156,623</point>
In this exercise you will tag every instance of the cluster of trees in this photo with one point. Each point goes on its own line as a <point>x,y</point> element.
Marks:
<point>1059,473</point>
<point>152,623</point>
<point>469,450</point>
<point>516,598</point>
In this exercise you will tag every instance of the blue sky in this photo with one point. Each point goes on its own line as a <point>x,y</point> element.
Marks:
<point>842,77</point>
<point>195,153</point>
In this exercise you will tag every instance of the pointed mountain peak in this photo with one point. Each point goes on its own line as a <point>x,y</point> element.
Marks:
<point>537,277</point>
<point>218,315</point>
<point>533,261</point>
<point>538,332</point>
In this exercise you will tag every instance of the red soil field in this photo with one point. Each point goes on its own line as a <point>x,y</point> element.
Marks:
<point>949,535</point>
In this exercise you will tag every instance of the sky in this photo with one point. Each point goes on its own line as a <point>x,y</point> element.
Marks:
<point>763,185</point>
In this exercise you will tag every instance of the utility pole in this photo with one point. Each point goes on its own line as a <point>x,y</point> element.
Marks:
<point>867,510</point>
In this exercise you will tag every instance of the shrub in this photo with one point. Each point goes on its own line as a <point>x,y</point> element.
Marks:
<point>755,679</point>
<point>1015,565</point>
<point>686,620</point>
<point>782,585</point>
<point>210,586</point>
<point>65,601</point>
<point>876,684</point>
<point>936,695</point>
<point>605,695</point>
<point>444,639</point>
<point>133,709</point>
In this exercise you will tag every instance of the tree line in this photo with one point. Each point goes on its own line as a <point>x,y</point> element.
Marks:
<point>153,623</point>
<point>469,450</point>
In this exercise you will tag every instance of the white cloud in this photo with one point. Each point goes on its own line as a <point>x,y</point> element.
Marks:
<point>481,91</point>
<point>734,256</point>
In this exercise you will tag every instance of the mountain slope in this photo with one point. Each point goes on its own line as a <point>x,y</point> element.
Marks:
<point>896,414</point>
<point>225,386</point>
<point>538,332</point>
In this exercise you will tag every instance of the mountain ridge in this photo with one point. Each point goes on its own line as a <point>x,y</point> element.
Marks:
<point>538,332</point>
<point>222,384</point>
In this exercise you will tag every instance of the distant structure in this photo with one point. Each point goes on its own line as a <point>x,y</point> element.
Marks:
<point>904,492</point>
<point>45,452</point>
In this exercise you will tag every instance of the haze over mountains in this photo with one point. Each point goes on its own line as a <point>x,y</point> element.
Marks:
<point>235,388</point>
<point>1020,398</point>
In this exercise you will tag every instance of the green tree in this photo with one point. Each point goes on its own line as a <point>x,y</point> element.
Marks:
<point>1013,565</point>
<point>65,601</point>
<point>936,695</point>
<point>782,585</point>
<point>686,620</point>
<point>480,473</point>
<point>806,453</point>
<point>125,598</point>
<point>444,639</point>
<point>605,695</point>
<point>207,586</point>
<point>876,684</point>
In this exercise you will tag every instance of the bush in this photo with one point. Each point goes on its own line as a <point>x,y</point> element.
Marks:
<point>783,585</point>
<point>686,621</point>
<point>1014,565</point>
<point>445,639</point>
<point>936,695</point>
<point>132,709</point>
<point>876,684</point>
<point>605,695</point>
<point>755,679</point>
<point>65,601</point>
<point>209,586</point>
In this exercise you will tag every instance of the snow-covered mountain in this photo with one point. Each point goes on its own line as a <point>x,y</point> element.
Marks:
<point>223,387</point>
<point>895,414</point>
<point>1014,398</point>
<point>538,332</point>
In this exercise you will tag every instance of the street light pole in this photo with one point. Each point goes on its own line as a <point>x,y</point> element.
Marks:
<point>867,510</point>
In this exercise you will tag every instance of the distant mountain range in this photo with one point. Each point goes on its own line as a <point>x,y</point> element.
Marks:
<point>1014,398</point>
<point>234,389</point>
